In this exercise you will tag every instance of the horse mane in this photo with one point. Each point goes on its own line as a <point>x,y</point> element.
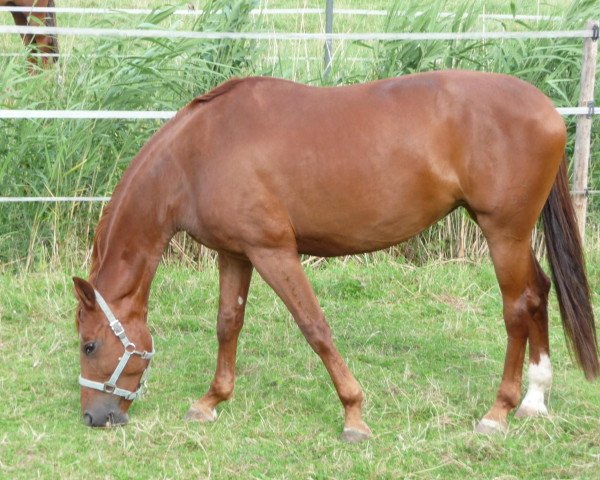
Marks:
<point>101,230</point>
<point>108,209</point>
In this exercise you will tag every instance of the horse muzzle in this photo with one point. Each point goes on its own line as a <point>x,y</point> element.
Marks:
<point>104,417</point>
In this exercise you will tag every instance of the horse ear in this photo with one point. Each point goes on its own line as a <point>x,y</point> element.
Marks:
<point>85,292</point>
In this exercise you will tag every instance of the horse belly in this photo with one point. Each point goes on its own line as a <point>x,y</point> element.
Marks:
<point>349,222</point>
<point>365,237</point>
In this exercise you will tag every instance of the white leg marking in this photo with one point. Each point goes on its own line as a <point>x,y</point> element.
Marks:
<point>240,300</point>
<point>540,380</point>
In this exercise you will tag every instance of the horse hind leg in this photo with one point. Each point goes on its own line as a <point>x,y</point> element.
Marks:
<point>540,369</point>
<point>524,294</point>
<point>234,283</point>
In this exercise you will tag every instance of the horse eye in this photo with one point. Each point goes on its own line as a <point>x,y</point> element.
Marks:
<point>89,348</point>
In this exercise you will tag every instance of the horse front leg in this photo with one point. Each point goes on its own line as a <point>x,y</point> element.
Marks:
<point>234,282</point>
<point>282,270</point>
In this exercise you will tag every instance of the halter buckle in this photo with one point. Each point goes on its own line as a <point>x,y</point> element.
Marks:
<point>109,388</point>
<point>118,328</point>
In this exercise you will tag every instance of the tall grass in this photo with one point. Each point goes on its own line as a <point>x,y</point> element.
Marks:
<point>81,157</point>
<point>84,157</point>
<point>552,65</point>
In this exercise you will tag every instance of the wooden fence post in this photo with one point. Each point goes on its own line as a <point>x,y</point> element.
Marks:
<point>328,42</point>
<point>581,153</point>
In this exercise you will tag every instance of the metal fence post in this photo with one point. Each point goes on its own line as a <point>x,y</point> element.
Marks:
<point>328,41</point>
<point>581,153</point>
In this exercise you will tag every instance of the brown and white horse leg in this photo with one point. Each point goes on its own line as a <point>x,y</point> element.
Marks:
<point>282,270</point>
<point>524,297</point>
<point>540,369</point>
<point>234,282</point>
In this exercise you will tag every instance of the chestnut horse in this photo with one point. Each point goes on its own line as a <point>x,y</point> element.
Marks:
<point>262,170</point>
<point>43,44</point>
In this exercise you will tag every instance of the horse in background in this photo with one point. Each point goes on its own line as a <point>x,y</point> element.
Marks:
<point>45,46</point>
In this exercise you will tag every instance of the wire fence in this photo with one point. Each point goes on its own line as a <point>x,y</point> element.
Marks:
<point>52,199</point>
<point>159,115</point>
<point>262,11</point>
<point>323,36</point>
<point>327,36</point>
<point>278,36</point>
<point>167,114</point>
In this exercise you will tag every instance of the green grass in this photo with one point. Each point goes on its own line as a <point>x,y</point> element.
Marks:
<point>426,344</point>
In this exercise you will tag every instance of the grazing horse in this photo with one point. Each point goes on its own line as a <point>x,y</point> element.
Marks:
<point>262,170</point>
<point>44,44</point>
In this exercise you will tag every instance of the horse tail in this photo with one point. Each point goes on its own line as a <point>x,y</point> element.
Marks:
<point>51,22</point>
<point>565,254</point>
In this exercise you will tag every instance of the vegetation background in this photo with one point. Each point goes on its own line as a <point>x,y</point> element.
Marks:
<point>77,157</point>
<point>420,325</point>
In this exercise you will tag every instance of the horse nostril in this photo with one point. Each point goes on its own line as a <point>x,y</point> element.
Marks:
<point>87,419</point>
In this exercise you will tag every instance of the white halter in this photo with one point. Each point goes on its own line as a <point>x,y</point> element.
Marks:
<point>111,385</point>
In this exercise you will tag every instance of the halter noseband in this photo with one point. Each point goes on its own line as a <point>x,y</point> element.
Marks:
<point>111,385</point>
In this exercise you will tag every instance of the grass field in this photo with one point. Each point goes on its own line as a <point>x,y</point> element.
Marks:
<point>427,345</point>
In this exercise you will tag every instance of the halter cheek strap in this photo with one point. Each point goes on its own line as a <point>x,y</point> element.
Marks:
<point>110,386</point>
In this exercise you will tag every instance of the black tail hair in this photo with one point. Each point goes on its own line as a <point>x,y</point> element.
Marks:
<point>565,254</point>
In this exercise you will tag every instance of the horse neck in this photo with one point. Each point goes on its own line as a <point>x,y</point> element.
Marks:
<point>148,206</point>
<point>132,235</point>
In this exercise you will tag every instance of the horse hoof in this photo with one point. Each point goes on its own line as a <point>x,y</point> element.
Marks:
<point>353,435</point>
<point>490,427</point>
<point>196,415</point>
<point>526,411</point>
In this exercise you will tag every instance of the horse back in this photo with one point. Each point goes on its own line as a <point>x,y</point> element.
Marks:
<point>358,168</point>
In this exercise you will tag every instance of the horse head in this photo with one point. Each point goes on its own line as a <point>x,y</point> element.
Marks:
<point>114,355</point>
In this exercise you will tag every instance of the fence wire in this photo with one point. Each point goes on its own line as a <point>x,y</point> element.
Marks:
<point>324,36</point>
<point>365,37</point>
